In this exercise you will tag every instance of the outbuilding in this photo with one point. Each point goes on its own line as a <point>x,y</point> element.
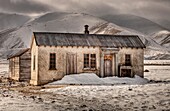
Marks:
<point>20,65</point>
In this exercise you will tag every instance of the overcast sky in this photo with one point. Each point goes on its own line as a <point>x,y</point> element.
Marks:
<point>157,10</point>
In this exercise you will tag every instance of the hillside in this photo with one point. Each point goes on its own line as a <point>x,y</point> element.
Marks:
<point>9,21</point>
<point>137,23</point>
<point>57,22</point>
<point>20,37</point>
<point>163,38</point>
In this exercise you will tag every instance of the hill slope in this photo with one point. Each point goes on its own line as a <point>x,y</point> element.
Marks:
<point>57,22</point>
<point>20,37</point>
<point>8,21</point>
<point>134,22</point>
<point>163,38</point>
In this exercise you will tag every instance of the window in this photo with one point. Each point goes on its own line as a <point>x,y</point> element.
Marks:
<point>86,61</point>
<point>93,60</point>
<point>128,60</point>
<point>52,61</point>
<point>90,61</point>
<point>34,63</point>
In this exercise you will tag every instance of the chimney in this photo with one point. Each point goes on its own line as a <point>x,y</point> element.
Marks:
<point>86,29</point>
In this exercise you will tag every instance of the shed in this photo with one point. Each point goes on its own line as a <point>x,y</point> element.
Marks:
<point>20,65</point>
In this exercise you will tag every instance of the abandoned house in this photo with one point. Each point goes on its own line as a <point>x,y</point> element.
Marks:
<point>54,55</point>
<point>20,65</point>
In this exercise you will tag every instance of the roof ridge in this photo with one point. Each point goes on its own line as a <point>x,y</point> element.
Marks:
<point>77,39</point>
<point>84,34</point>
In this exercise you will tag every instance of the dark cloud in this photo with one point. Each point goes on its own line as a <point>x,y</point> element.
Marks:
<point>91,7</point>
<point>156,10</point>
<point>23,6</point>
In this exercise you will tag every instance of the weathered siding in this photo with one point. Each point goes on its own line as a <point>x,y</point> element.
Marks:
<point>20,67</point>
<point>137,58</point>
<point>42,74</point>
<point>25,66</point>
<point>34,73</point>
<point>14,68</point>
<point>46,75</point>
<point>10,67</point>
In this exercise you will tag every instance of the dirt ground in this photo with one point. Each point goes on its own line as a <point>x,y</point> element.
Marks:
<point>154,96</point>
<point>17,96</point>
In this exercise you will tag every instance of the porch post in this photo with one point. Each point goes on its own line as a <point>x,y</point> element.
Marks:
<point>102,65</point>
<point>116,64</point>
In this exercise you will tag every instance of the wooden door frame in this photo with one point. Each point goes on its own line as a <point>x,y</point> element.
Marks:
<point>111,67</point>
<point>111,51</point>
<point>67,65</point>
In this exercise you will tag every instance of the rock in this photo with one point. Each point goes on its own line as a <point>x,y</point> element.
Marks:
<point>52,101</point>
<point>42,87</point>
<point>33,97</point>
<point>154,107</point>
<point>130,89</point>
<point>5,95</point>
<point>40,99</point>
<point>90,110</point>
<point>83,106</point>
<point>146,70</point>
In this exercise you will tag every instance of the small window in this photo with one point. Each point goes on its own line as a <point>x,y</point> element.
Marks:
<point>128,60</point>
<point>34,63</point>
<point>86,61</point>
<point>93,60</point>
<point>90,61</point>
<point>52,61</point>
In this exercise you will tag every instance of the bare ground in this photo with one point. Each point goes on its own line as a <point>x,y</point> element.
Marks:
<point>22,97</point>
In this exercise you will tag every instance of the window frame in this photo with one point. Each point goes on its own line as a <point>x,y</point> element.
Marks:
<point>52,61</point>
<point>128,61</point>
<point>86,61</point>
<point>93,60</point>
<point>34,63</point>
<point>90,62</point>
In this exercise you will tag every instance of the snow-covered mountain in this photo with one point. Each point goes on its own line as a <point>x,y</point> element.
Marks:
<point>137,23</point>
<point>9,21</point>
<point>56,22</point>
<point>156,36</point>
<point>163,38</point>
<point>20,35</point>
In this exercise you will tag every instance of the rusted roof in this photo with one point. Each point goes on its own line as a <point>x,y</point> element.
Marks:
<point>75,39</point>
<point>18,53</point>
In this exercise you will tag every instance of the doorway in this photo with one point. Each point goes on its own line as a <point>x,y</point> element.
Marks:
<point>71,63</point>
<point>108,65</point>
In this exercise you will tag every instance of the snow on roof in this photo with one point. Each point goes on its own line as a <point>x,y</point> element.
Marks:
<point>76,39</point>
<point>93,79</point>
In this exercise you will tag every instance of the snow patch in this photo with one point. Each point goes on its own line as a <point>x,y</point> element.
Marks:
<point>93,79</point>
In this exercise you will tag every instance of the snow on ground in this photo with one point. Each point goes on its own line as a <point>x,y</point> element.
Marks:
<point>148,97</point>
<point>12,101</point>
<point>93,79</point>
<point>159,70</point>
<point>127,97</point>
<point>157,73</point>
<point>157,62</point>
<point>153,96</point>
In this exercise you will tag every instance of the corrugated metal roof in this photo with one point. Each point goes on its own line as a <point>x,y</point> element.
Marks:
<point>74,39</point>
<point>18,53</point>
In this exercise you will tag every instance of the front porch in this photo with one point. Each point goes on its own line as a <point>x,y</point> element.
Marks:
<point>110,66</point>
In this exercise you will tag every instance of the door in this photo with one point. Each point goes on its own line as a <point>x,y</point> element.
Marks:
<point>107,65</point>
<point>71,63</point>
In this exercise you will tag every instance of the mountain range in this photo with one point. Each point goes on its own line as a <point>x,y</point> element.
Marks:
<point>16,30</point>
<point>137,23</point>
